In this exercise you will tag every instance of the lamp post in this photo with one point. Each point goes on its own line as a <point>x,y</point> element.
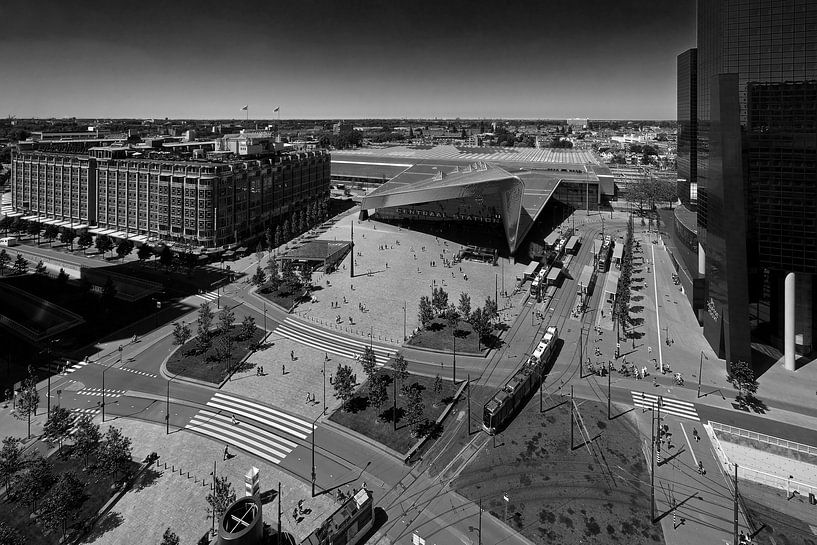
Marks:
<point>313,455</point>
<point>119,360</point>
<point>324,385</point>
<point>700,372</point>
<point>405,304</point>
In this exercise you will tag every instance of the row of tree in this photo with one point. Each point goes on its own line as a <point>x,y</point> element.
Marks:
<point>480,319</point>
<point>205,333</point>
<point>284,281</point>
<point>30,479</point>
<point>621,310</point>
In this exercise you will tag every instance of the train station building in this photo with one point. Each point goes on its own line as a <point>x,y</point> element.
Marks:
<point>495,197</point>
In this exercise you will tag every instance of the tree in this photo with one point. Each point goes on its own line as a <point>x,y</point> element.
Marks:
<point>378,391</point>
<point>344,384</point>
<point>4,261</point>
<point>439,299</point>
<point>481,323</point>
<point>259,278</point>
<point>86,439</point>
<point>491,309</point>
<point>51,232</point>
<point>67,236</point>
<point>125,247</point>
<point>10,535</point>
<point>39,268</point>
<point>269,238</point>
<point>247,327</point>
<point>426,312</point>
<point>34,230</point>
<point>286,232</point>
<point>204,321</point>
<point>28,400</point>
<point>278,236</point>
<point>169,538</point>
<point>272,269</point>
<point>438,385</point>
<point>742,376</point>
<point>453,319</point>
<point>20,264</point>
<point>226,319</point>
<point>114,453</point>
<point>144,253</point>
<point>85,240</point>
<point>222,496</point>
<point>104,244</point>
<point>65,497</point>
<point>465,306</point>
<point>57,426</point>
<point>19,225</point>
<point>62,277</point>
<point>33,482</point>
<point>369,362</point>
<point>306,276</point>
<point>224,348</point>
<point>166,257</point>
<point>11,459</point>
<point>400,366</point>
<point>181,333</point>
<point>416,408</point>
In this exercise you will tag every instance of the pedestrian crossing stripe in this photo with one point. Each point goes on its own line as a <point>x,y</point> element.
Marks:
<point>209,296</point>
<point>138,372</point>
<point>329,342</point>
<point>264,444</point>
<point>98,392</point>
<point>79,414</point>
<point>77,366</point>
<point>282,421</point>
<point>675,407</point>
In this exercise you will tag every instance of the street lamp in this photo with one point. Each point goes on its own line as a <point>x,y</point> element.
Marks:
<point>405,304</point>
<point>313,455</point>
<point>119,360</point>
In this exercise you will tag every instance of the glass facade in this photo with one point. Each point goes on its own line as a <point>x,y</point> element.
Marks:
<point>757,204</point>
<point>687,124</point>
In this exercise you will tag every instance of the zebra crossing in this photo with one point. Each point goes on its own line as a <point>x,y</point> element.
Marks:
<point>246,409</point>
<point>79,414</point>
<point>675,407</point>
<point>330,342</point>
<point>209,296</point>
<point>108,392</point>
<point>138,372</point>
<point>75,367</point>
<point>242,433</point>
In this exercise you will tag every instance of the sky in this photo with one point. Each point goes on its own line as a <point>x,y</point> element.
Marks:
<point>343,58</point>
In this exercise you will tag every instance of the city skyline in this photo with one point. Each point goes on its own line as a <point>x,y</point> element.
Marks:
<point>322,60</point>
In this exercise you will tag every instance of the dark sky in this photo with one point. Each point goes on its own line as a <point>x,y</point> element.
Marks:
<point>343,59</point>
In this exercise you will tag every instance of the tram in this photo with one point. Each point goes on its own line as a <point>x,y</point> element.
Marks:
<point>501,408</point>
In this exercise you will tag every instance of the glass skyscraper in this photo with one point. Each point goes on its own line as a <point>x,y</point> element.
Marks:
<point>687,125</point>
<point>757,173</point>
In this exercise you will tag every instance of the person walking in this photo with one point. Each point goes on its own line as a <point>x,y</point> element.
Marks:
<point>695,435</point>
<point>700,467</point>
<point>235,422</point>
<point>226,453</point>
<point>283,369</point>
<point>292,355</point>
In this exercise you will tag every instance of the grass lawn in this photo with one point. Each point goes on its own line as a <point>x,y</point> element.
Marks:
<point>438,336</point>
<point>97,490</point>
<point>188,362</point>
<point>378,425</point>
<point>285,300</point>
<point>563,495</point>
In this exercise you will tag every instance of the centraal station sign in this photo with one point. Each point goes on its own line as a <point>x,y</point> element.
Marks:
<point>434,214</point>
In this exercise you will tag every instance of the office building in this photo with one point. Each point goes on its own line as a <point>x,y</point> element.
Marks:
<point>757,174</point>
<point>687,126</point>
<point>113,190</point>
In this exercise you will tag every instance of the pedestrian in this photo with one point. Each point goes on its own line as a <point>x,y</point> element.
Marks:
<point>235,422</point>
<point>262,370</point>
<point>695,435</point>
<point>308,397</point>
<point>700,467</point>
<point>292,355</point>
<point>226,453</point>
<point>283,369</point>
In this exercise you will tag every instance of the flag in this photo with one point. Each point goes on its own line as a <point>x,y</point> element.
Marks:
<point>276,109</point>
<point>245,107</point>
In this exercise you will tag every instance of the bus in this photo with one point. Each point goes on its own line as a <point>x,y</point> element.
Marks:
<point>501,408</point>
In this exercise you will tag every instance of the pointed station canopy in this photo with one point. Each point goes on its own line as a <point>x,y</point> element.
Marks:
<point>471,182</point>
